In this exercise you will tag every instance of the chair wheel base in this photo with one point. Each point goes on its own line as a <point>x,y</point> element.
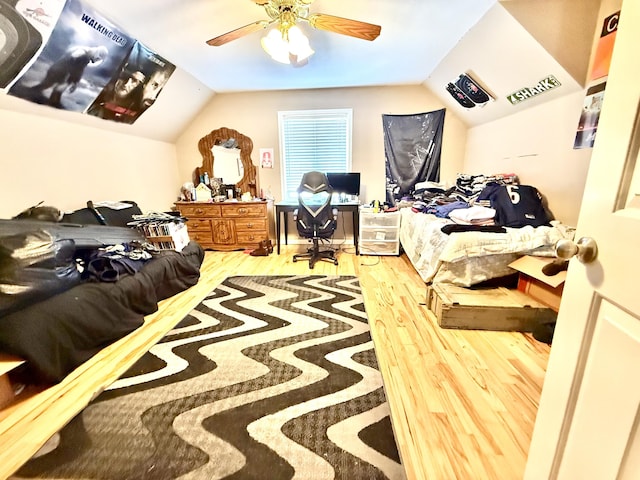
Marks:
<point>314,256</point>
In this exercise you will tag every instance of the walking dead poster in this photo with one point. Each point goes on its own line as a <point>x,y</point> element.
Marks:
<point>75,59</point>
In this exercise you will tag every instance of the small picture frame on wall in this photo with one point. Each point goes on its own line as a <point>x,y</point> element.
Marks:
<point>266,157</point>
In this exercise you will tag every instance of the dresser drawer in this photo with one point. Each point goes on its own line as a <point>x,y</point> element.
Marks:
<point>246,224</point>
<point>243,210</point>
<point>203,237</point>
<point>250,237</point>
<point>200,210</point>
<point>195,224</point>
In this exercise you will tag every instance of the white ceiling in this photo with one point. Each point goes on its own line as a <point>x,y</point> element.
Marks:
<point>416,35</point>
<point>502,57</point>
<point>427,42</point>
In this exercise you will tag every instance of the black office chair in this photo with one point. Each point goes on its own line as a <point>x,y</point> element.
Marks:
<point>314,217</point>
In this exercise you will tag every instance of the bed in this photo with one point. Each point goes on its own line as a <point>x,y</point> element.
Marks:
<point>58,334</point>
<point>68,347</point>
<point>466,258</point>
<point>67,290</point>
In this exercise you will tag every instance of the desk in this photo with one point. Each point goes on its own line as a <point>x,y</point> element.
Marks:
<point>286,207</point>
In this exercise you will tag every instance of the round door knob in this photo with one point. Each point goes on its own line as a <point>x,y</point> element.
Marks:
<point>585,249</point>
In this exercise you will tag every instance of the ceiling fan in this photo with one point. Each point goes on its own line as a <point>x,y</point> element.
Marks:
<point>286,13</point>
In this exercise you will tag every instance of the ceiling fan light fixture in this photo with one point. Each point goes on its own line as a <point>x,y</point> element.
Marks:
<point>283,45</point>
<point>287,14</point>
<point>299,44</point>
<point>276,46</point>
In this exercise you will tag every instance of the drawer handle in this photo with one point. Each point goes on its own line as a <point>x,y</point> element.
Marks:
<point>199,211</point>
<point>242,211</point>
<point>249,225</point>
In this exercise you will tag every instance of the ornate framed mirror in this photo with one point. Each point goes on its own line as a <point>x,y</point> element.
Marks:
<point>235,162</point>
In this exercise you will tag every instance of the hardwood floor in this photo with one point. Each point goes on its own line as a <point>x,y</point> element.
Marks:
<point>463,402</point>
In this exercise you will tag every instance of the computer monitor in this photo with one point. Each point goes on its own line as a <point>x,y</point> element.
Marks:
<point>345,183</point>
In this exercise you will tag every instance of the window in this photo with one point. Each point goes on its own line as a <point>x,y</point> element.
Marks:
<point>317,140</point>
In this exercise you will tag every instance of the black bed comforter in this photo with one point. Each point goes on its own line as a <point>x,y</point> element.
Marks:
<point>58,334</point>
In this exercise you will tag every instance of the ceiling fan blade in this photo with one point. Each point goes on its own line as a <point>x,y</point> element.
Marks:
<point>345,26</point>
<point>238,32</point>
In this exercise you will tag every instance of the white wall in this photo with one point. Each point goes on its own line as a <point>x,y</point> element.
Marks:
<point>66,158</point>
<point>537,145</point>
<point>256,115</point>
<point>65,165</point>
<point>180,100</point>
<point>55,159</point>
<point>502,57</point>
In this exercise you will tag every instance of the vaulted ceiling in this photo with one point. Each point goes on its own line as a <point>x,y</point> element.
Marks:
<point>415,36</point>
<point>505,45</point>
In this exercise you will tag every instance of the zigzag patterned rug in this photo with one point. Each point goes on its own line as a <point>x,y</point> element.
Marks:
<point>270,377</point>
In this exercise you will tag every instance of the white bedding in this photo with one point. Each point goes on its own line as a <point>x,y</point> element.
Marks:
<point>467,258</point>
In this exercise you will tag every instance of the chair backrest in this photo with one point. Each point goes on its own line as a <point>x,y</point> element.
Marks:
<point>315,216</point>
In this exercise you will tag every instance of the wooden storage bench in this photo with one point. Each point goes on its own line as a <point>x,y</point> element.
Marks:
<point>486,309</point>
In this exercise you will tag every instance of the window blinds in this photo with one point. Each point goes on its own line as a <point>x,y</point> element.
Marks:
<point>317,140</point>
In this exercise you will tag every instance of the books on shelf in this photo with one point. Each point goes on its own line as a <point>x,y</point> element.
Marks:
<point>165,231</point>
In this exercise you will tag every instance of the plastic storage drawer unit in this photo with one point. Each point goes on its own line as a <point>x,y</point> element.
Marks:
<point>379,233</point>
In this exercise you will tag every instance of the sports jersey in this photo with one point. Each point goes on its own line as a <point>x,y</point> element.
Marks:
<point>515,205</point>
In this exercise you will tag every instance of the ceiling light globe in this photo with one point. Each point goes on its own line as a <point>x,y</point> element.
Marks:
<point>299,44</point>
<point>276,46</point>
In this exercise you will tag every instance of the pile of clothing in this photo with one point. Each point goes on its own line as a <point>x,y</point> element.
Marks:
<point>33,267</point>
<point>481,200</point>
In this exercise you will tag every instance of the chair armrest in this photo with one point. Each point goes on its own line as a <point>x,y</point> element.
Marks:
<point>335,213</point>
<point>295,214</point>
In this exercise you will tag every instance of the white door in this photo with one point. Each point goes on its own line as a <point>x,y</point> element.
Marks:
<point>588,421</point>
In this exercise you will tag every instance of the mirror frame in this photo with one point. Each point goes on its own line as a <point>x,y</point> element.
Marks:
<point>245,144</point>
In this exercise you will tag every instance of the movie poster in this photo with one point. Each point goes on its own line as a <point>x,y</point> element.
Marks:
<point>25,26</point>
<point>134,87</point>
<point>81,56</point>
<point>589,117</point>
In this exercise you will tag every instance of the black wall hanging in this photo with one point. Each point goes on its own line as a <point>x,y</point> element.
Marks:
<point>412,147</point>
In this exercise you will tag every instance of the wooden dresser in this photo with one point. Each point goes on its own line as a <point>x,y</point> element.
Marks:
<point>226,225</point>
